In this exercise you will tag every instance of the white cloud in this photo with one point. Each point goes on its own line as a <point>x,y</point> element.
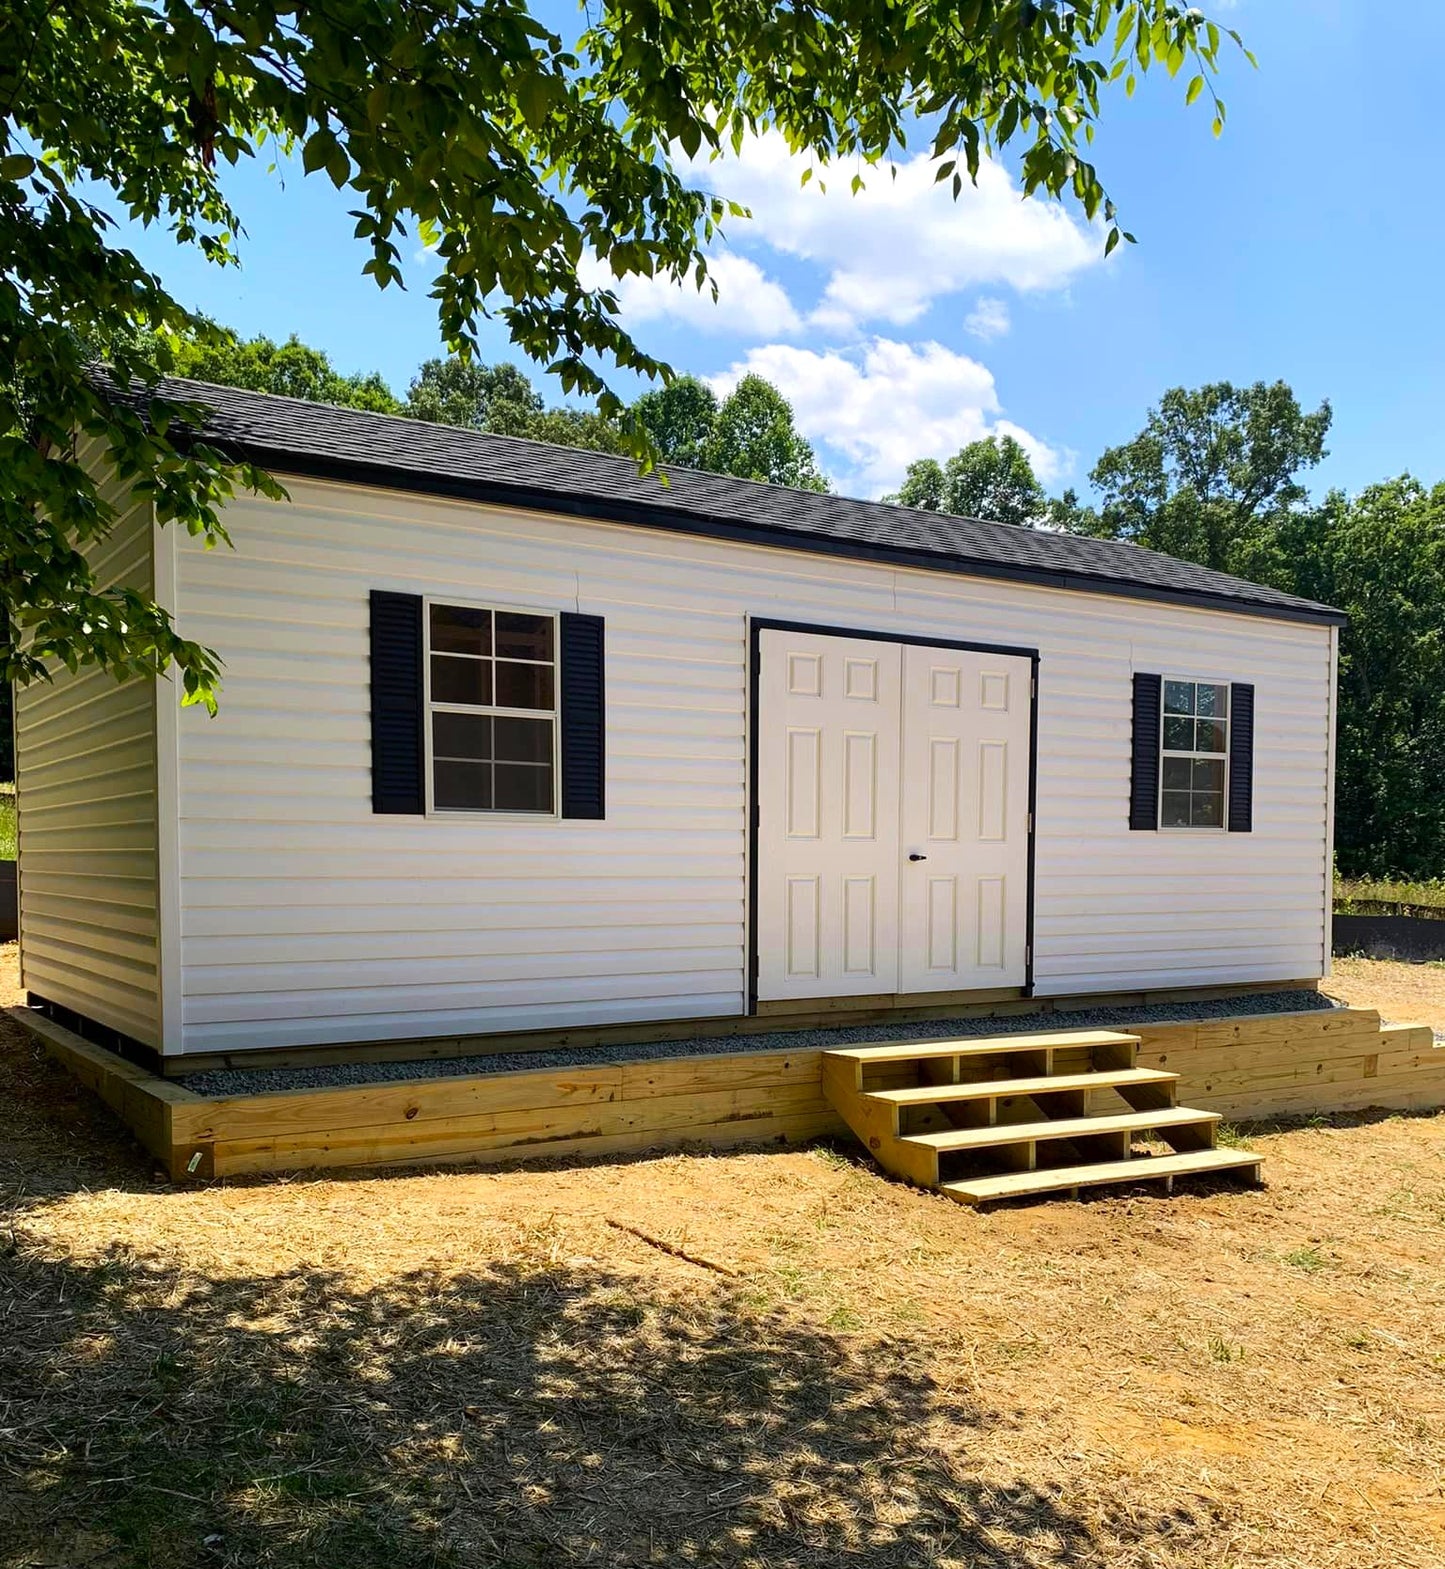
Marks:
<point>749,303</point>
<point>988,319</point>
<point>895,403</point>
<point>903,241</point>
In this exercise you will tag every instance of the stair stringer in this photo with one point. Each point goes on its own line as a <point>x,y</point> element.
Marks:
<point>876,1124</point>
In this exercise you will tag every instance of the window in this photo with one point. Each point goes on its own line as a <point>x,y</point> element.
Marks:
<point>492,709</point>
<point>1194,754</point>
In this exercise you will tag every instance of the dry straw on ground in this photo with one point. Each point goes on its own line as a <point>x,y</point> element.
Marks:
<point>539,1367</point>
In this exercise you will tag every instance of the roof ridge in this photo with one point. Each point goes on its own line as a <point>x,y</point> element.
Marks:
<point>364,446</point>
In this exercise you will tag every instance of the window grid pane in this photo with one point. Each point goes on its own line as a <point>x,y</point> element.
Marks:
<point>482,663</point>
<point>1194,738</point>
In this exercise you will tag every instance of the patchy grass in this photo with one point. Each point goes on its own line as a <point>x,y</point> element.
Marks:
<point>765,1360</point>
<point>1393,896</point>
<point>7,822</point>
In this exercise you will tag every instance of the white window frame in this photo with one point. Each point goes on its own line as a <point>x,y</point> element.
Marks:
<point>450,813</point>
<point>1222,826</point>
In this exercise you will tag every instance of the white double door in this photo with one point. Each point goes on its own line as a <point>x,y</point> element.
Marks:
<point>893,788</point>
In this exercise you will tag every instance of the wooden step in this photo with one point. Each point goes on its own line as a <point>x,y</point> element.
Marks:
<point>980,1046</point>
<point>956,1139</point>
<point>1007,1089</point>
<point>1020,1184</point>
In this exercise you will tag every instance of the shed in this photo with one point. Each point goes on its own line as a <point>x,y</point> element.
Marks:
<point>518,743</point>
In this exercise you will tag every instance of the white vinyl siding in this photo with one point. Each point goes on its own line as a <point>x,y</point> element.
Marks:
<point>86,776</point>
<point>305,918</point>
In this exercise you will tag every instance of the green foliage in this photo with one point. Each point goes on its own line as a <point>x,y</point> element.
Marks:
<point>1214,478</point>
<point>455,391</point>
<point>753,437</point>
<point>1381,558</point>
<point>292,369</point>
<point>502,400</point>
<point>1390,896</point>
<point>1211,477</point>
<point>991,479</point>
<point>922,486</point>
<point>679,418</point>
<point>474,127</point>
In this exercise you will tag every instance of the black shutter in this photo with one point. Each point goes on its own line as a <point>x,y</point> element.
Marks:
<point>584,710</point>
<point>398,749</point>
<point>1241,757</point>
<point>1144,772</point>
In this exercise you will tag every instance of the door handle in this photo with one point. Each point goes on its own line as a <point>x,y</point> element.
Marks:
<point>915,856</point>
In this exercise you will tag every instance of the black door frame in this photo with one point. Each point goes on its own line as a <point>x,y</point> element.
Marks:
<point>757,625</point>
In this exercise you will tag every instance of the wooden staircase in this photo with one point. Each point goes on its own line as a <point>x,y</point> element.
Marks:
<point>1008,1116</point>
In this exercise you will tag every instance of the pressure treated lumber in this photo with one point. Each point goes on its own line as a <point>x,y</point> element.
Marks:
<point>912,1130</point>
<point>1063,1128</point>
<point>1197,1163</point>
<point>1261,1066</point>
<point>1008,1089</point>
<point>967,1046</point>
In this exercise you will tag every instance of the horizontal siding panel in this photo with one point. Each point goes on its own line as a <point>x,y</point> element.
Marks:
<point>396,894</point>
<point>1280,964</point>
<point>226,1036</point>
<point>472,973</point>
<point>456,999</point>
<point>86,772</point>
<point>498,942</point>
<point>97,765</point>
<point>296,898</point>
<point>488,925</point>
<point>107,914</point>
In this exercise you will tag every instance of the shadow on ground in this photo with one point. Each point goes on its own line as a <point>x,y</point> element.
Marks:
<point>517,1416</point>
<point>527,1411</point>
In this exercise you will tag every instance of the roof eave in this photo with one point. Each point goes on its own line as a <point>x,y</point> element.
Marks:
<point>609,510</point>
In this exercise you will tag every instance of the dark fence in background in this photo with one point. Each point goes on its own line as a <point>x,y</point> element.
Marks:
<point>9,904</point>
<point>1390,936</point>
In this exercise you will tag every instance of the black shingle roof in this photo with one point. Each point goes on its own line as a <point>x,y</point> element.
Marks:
<point>291,436</point>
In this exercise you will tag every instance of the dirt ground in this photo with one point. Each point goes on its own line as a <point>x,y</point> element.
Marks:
<point>771,1358</point>
<point>1410,993</point>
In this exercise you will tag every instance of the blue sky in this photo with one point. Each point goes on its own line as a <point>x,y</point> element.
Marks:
<point>1306,244</point>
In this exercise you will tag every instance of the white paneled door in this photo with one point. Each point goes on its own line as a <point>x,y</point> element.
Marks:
<point>892,852</point>
<point>827,816</point>
<point>964,804</point>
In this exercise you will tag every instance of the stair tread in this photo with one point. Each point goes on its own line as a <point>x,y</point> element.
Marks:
<point>979,1046</point>
<point>988,1089</point>
<point>1141,1169</point>
<point>1063,1128</point>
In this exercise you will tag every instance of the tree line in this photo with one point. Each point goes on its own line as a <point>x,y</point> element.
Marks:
<point>750,433</point>
<point>1213,477</point>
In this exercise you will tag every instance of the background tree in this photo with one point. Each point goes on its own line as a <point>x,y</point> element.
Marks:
<point>922,486</point>
<point>454,391</point>
<point>510,153</point>
<point>754,437</point>
<point>1381,558</point>
<point>991,479</point>
<point>1212,477</point>
<point>293,369</point>
<point>679,418</point>
<point>501,399</point>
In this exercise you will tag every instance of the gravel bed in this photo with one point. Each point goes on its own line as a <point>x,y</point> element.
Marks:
<point>254,1081</point>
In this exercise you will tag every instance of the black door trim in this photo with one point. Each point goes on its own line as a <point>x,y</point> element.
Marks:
<point>757,625</point>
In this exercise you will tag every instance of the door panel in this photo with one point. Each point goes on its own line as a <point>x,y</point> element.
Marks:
<point>964,810</point>
<point>870,753</point>
<point>827,861</point>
